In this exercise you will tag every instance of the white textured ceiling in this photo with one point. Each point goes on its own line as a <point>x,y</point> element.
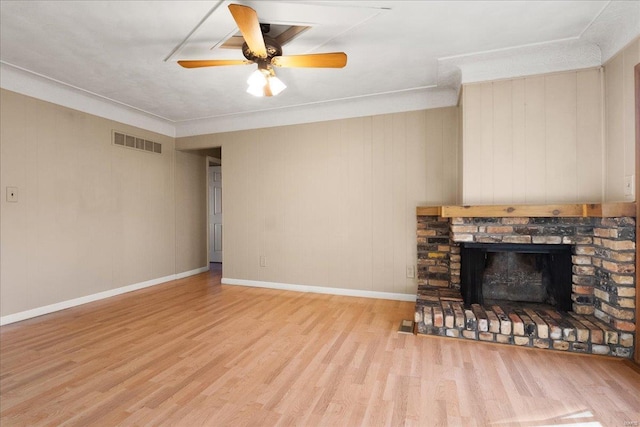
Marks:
<point>402,55</point>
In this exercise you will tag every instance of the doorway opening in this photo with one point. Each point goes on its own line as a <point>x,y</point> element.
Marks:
<point>214,209</point>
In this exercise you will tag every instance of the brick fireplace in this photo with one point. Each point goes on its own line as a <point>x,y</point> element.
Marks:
<point>601,311</point>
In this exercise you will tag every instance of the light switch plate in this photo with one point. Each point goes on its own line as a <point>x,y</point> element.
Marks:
<point>12,194</point>
<point>629,187</point>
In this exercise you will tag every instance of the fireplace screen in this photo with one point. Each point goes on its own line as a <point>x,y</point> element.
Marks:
<point>532,273</point>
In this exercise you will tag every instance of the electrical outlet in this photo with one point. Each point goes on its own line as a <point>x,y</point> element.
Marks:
<point>263,261</point>
<point>12,194</point>
<point>629,187</point>
<point>411,272</point>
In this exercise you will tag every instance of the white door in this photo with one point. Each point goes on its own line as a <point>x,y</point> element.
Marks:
<point>215,214</point>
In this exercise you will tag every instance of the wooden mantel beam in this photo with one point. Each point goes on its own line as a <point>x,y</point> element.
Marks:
<point>513,211</point>
<point>579,210</point>
<point>428,210</point>
<point>611,210</point>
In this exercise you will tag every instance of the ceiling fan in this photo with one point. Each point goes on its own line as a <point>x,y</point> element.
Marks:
<point>263,50</point>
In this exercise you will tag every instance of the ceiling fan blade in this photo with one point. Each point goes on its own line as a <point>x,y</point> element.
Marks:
<point>249,26</point>
<point>314,60</point>
<point>213,63</point>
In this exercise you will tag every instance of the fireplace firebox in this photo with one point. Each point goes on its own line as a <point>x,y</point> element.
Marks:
<point>516,272</point>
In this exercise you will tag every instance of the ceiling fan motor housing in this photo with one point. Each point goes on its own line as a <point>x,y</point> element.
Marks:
<point>273,49</point>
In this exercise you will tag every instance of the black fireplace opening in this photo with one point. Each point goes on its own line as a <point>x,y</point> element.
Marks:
<point>525,273</point>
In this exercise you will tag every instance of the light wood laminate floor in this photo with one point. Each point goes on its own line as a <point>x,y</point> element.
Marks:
<point>193,352</point>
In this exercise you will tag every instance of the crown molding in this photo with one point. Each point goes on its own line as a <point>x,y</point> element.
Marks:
<point>542,58</point>
<point>44,88</point>
<point>370,105</point>
<point>614,28</point>
<point>617,25</point>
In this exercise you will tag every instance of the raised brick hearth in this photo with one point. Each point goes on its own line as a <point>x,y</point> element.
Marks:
<point>603,315</point>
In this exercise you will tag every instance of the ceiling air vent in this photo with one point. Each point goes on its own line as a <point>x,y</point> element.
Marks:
<point>129,141</point>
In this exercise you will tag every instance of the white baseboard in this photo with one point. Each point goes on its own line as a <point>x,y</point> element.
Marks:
<point>191,272</point>
<point>35,312</point>
<point>320,289</point>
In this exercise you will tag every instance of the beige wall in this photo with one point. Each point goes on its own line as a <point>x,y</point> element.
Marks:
<point>620,122</point>
<point>565,137</point>
<point>333,203</point>
<point>91,216</point>
<point>534,140</point>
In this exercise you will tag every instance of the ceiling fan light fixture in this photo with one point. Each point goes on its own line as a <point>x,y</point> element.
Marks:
<point>255,90</point>
<point>263,82</point>
<point>258,78</point>
<point>257,82</point>
<point>276,85</point>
